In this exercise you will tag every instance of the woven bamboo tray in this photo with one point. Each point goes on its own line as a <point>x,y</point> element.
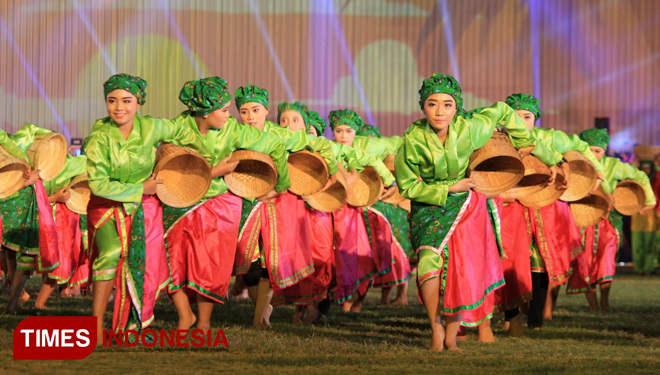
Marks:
<point>535,179</point>
<point>547,195</point>
<point>583,177</point>
<point>185,173</point>
<point>308,172</point>
<point>12,173</point>
<point>331,199</point>
<point>48,154</point>
<point>589,210</point>
<point>629,197</point>
<point>80,193</point>
<point>366,190</point>
<point>646,153</point>
<point>496,167</point>
<point>254,176</point>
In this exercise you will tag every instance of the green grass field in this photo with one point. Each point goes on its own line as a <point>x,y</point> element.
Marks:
<point>383,340</point>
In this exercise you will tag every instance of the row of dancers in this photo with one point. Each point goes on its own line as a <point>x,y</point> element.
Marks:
<point>475,255</point>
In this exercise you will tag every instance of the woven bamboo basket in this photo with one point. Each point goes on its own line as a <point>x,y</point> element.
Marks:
<point>496,167</point>
<point>308,172</point>
<point>12,173</point>
<point>589,210</point>
<point>80,193</point>
<point>366,190</point>
<point>389,163</point>
<point>185,173</point>
<point>646,153</point>
<point>629,197</point>
<point>48,153</point>
<point>331,199</point>
<point>254,176</point>
<point>534,180</point>
<point>583,177</point>
<point>547,195</point>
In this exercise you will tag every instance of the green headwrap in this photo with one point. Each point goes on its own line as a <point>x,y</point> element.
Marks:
<point>526,102</point>
<point>249,94</point>
<point>442,84</point>
<point>345,117</point>
<point>596,137</point>
<point>296,106</point>
<point>133,84</point>
<point>205,95</point>
<point>370,131</point>
<point>318,122</point>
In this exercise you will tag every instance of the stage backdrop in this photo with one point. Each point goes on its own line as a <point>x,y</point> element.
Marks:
<point>582,58</point>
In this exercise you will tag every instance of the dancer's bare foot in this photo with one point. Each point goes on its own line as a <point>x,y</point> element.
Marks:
<point>66,293</point>
<point>400,301</point>
<point>265,320</point>
<point>462,334</point>
<point>312,315</point>
<point>516,327</point>
<point>506,325</point>
<point>22,300</point>
<point>297,316</point>
<point>346,306</point>
<point>438,338</point>
<point>485,333</point>
<point>605,305</point>
<point>357,304</point>
<point>187,321</point>
<point>204,326</point>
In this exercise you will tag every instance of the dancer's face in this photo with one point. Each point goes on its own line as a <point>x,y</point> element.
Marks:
<point>122,107</point>
<point>528,118</point>
<point>254,114</point>
<point>439,110</point>
<point>312,131</point>
<point>599,152</point>
<point>344,134</point>
<point>293,120</point>
<point>218,118</point>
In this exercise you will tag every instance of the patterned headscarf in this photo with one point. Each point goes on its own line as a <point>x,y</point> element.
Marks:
<point>249,94</point>
<point>318,122</point>
<point>370,131</point>
<point>526,102</point>
<point>442,84</point>
<point>205,95</point>
<point>596,137</point>
<point>133,84</point>
<point>296,106</point>
<point>345,117</point>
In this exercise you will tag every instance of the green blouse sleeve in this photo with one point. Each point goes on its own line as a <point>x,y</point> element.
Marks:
<point>8,144</point>
<point>564,143</point>
<point>378,146</point>
<point>499,114</point>
<point>322,146</point>
<point>74,166</point>
<point>375,162</point>
<point>411,185</point>
<point>174,131</point>
<point>96,149</point>
<point>624,171</point>
<point>24,137</point>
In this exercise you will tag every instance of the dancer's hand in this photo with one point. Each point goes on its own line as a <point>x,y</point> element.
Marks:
<point>31,177</point>
<point>223,168</point>
<point>271,194</point>
<point>149,186</point>
<point>60,196</point>
<point>646,210</point>
<point>388,192</point>
<point>462,185</point>
<point>525,151</point>
<point>567,175</point>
